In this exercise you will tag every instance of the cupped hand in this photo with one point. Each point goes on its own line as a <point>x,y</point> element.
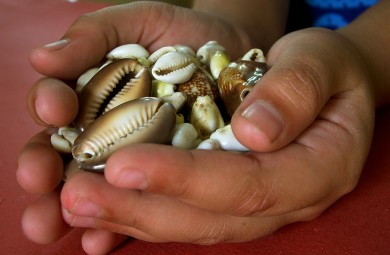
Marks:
<point>309,124</point>
<point>52,103</point>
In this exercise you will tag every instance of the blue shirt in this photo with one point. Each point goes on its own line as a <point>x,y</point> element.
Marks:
<point>334,14</point>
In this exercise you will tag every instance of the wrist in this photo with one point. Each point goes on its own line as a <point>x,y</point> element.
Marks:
<point>370,35</point>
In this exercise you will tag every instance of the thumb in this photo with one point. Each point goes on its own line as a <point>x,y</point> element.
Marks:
<point>289,96</point>
<point>92,35</point>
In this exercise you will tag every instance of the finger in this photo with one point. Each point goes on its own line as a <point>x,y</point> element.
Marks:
<point>289,97</point>
<point>52,103</point>
<point>92,202</point>
<point>92,35</point>
<point>42,220</point>
<point>40,167</point>
<point>267,184</point>
<point>98,241</point>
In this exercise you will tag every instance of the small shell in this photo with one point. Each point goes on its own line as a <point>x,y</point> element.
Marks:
<point>206,52</point>
<point>255,54</point>
<point>185,49</point>
<point>201,84</point>
<point>63,140</point>
<point>160,88</point>
<point>227,140</point>
<point>218,61</point>
<point>184,136</point>
<point>159,53</point>
<point>144,120</point>
<point>209,144</point>
<point>85,78</point>
<point>177,99</point>
<point>237,80</point>
<point>205,116</point>
<point>60,144</point>
<point>128,51</point>
<point>173,67</point>
<point>120,81</point>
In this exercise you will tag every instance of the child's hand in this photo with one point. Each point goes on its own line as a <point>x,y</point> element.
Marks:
<point>309,123</point>
<point>322,122</point>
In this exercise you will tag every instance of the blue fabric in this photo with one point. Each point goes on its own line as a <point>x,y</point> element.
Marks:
<point>334,14</point>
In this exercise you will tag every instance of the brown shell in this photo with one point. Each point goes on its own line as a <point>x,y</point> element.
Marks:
<point>200,84</point>
<point>144,120</point>
<point>118,82</point>
<point>238,79</point>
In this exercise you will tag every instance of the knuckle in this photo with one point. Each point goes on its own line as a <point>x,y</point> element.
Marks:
<point>302,86</point>
<point>257,197</point>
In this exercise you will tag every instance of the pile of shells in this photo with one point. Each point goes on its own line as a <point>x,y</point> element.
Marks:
<point>173,96</point>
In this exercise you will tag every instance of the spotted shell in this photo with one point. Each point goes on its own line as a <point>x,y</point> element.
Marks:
<point>144,120</point>
<point>237,80</point>
<point>200,84</point>
<point>118,82</point>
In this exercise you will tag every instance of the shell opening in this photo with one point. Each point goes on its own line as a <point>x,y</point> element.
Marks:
<point>85,156</point>
<point>244,93</point>
<point>124,79</point>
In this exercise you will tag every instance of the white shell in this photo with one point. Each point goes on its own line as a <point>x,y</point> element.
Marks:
<point>227,140</point>
<point>185,49</point>
<point>206,52</point>
<point>205,116</point>
<point>159,53</point>
<point>184,136</point>
<point>63,140</point>
<point>177,99</point>
<point>173,67</point>
<point>128,51</point>
<point>84,78</point>
<point>209,144</point>
<point>254,54</point>
<point>105,64</point>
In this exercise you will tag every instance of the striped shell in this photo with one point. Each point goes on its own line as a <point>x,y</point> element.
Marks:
<point>118,82</point>
<point>237,80</point>
<point>144,120</point>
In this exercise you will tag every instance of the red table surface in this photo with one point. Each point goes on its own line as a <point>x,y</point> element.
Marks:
<point>359,223</point>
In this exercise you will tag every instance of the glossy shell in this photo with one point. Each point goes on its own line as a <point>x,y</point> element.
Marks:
<point>128,51</point>
<point>237,80</point>
<point>118,82</point>
<point>145,120</point>
<point>206,117</point>
<point>173,67</point>
<point>201,84</point>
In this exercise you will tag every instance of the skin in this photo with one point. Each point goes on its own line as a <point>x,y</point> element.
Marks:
<point>318,102</point>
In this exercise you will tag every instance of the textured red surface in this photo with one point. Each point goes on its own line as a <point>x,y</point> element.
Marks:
<point>359,223</point>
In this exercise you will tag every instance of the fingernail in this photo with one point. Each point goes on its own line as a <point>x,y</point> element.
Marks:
<point>85,208</point>
<point>265,118</point>
<point>132,179</point>
<point>59,45</point>
<point>77,221</point>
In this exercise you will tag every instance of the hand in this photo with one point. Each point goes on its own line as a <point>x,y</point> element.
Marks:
<point>314,140</point>
<point>52,103</point>
<point>311,126</point>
